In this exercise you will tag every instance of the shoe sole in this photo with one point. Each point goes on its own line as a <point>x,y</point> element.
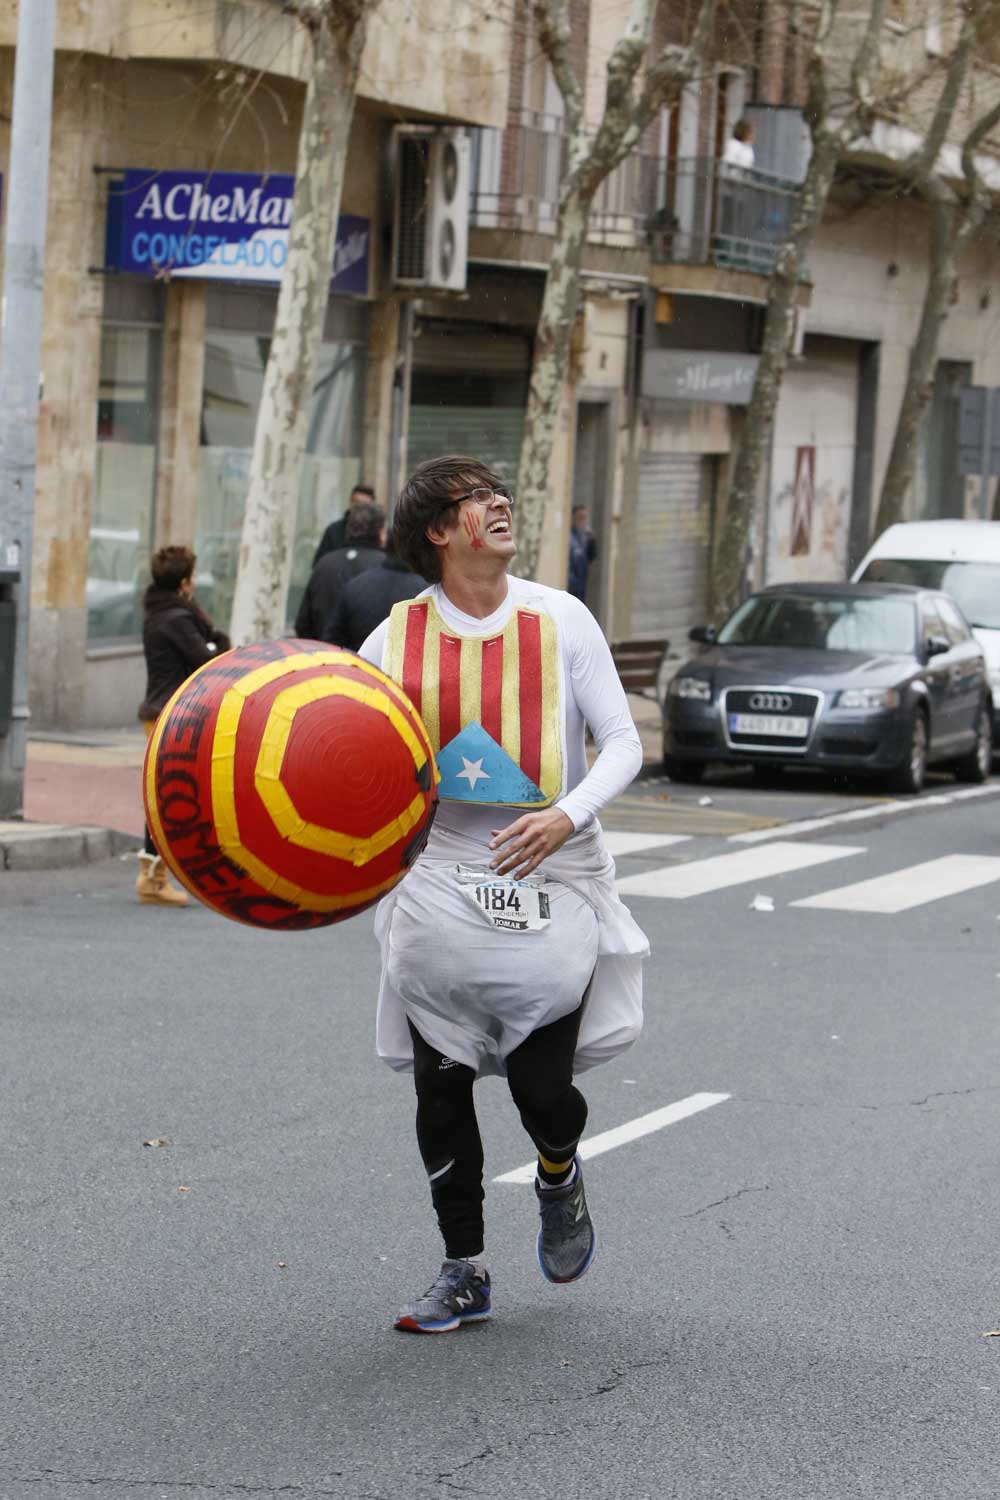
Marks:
<point>410,1325</point>
<point>576,1276</point>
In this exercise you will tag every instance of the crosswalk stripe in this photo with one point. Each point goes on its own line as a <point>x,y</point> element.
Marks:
<point>621,843</point>
<point>880,809</point>
<point>763,862</point>
<point>632,1130</point>
<point>915,886</point>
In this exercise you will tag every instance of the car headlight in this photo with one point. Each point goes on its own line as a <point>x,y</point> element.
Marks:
<point>868,699</point>
<point>691,687</point>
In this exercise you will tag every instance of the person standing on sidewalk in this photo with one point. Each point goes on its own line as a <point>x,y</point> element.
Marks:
<point>506,950</point>
<point>365,540</point>
<point>177,638</point>
<point>582,552</point>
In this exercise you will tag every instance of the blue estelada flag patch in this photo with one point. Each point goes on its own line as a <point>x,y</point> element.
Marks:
<point>474,768</point>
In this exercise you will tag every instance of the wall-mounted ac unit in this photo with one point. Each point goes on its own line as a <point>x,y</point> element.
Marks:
<point>430,232</point>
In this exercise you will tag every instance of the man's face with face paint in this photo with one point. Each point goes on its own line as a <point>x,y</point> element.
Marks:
<point>480,525</point>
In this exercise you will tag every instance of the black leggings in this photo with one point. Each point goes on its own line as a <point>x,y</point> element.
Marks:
<point>553,1112</point>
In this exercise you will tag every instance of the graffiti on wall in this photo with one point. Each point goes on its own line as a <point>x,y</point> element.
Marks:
<point>809,514</point>
<point>803,501</point>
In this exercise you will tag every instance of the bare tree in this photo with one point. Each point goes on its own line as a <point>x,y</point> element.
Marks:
<point>632,98</point>
<point>956,216</point>
<point>835,120</point>
<point>336,32</point>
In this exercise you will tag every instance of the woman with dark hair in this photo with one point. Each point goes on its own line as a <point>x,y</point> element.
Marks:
<point>177,638</point>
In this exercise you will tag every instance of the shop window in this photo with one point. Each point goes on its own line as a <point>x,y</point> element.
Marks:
<point>235,362</point>
<point>121,528</point>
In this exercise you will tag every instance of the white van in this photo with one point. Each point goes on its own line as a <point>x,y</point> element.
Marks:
<point>960,557</point>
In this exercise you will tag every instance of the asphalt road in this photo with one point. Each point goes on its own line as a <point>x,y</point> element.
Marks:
<point>792,1287</point>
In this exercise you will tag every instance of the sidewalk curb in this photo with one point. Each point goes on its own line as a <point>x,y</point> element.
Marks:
<point>48,847</point>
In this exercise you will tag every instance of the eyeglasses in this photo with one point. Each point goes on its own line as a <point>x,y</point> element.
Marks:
<point>484,497</point>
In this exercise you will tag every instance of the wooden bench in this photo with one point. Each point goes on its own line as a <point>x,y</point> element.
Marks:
<point>638,663</point>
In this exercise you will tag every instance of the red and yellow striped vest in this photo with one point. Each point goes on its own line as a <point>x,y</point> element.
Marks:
<point>508,683</point>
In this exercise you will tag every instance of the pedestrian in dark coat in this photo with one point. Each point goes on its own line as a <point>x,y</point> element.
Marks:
<point>177,638</point>
<point>365,538</point>
<point>366,601</point>
<point>335,535</point>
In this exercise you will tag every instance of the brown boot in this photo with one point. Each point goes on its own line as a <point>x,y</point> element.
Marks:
<point>154,886</point>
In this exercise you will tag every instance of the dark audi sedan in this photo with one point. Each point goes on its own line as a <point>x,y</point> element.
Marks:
<point>841,676</point>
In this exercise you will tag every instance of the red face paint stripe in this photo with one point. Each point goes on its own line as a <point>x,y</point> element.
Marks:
<point>413,652</point>
<point>449,689</point>
<point>529,643</point>
<point>492,688</point>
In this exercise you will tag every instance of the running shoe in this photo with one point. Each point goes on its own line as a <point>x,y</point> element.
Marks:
<point>566,1239</point>
<point>459,1295</point>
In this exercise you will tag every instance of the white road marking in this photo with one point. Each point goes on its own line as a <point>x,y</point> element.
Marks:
<point>678,882</point>
<point>621,1135</point>
<point>860,814</point>
<point>635,843</point>
<point>930,881</point>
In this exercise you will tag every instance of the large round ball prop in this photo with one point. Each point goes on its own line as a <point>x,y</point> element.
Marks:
<point>289,784</point>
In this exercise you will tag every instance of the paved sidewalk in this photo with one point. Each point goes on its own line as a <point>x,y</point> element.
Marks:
<point>83,798</point>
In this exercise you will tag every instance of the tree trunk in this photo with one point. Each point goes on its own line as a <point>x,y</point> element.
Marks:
<point>728,563</point>
<point>952,228</point>
<point>279,442</point>
<point>923,358</point>
<point>548,374</point>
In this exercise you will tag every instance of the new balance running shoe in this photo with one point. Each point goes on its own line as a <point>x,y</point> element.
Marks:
<point>566,1239</point>
<point>459,1295</point>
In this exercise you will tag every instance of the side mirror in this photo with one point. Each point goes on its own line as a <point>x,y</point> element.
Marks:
<point>704,635</point>
<point>936,645</point>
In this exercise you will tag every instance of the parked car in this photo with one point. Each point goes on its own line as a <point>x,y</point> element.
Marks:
<point>842,676</point>
<point>960,557</point>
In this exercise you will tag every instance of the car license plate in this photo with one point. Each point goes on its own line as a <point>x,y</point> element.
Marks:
<point>785,726</point>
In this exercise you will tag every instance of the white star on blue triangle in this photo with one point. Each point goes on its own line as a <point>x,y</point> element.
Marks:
<point>474,768</point>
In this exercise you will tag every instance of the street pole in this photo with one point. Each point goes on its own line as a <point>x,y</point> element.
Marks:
<point>27,194</point>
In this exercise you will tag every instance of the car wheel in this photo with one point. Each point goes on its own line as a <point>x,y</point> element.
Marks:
<point>911,772</point>
<point>683,770</point>
<point>977,765</point>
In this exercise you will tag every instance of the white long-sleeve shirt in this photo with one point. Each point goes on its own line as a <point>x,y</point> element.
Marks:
<point>591,697</point>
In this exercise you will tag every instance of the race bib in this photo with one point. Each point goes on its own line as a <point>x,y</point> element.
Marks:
<point>509,905</point>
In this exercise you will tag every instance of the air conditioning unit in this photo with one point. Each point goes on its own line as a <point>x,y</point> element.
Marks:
<point>430,235</point>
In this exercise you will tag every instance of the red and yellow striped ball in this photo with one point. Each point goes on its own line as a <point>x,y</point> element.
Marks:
<point>289,784</point>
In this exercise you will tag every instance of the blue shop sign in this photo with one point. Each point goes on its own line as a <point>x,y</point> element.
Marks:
<point>218,226</point>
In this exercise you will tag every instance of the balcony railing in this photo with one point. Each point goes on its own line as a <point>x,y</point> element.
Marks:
<point>516,175</point>
<point>710,213</point>
<point>694,210</point>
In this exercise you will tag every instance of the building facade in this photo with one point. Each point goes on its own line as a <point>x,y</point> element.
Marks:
<point>174,131</point>
<point>174,138</point>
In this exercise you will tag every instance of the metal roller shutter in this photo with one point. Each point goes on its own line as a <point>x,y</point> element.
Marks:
<point>490,433</point>
<point>673,547</point>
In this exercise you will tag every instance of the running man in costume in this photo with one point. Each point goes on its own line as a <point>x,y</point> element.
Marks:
<point>506,950</point>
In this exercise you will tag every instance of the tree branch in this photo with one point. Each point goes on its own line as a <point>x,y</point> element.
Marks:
<point>864,64</point>
<point>554,35</point>
<point>675,67</point>
<point>817,91</point>
<point>924,158</point>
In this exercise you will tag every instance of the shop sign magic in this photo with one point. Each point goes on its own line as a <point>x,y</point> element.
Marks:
<point>219,226</point>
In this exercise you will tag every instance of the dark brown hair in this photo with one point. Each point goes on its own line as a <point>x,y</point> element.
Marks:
<point>364,524</point>
<point>424,501</point>
<point>170,566</point>
<point>363,489</point>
